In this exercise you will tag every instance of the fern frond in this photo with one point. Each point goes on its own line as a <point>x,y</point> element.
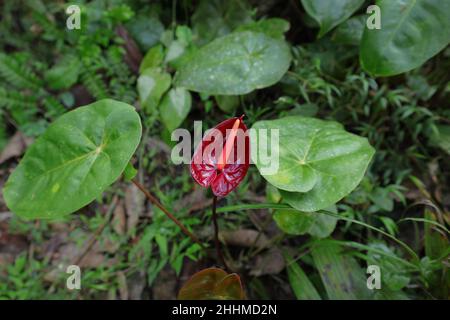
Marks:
<point>3,133</point>
<point>94,84</point>
<point>22,108</point>
<point>17,74</point>
<point>123,81</point>
<point>53,108</point>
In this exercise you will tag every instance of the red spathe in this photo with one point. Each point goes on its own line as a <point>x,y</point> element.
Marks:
<point>204,169</point>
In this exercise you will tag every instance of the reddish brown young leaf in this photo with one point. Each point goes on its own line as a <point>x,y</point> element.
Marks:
<point>230,288</point>
<point>225,166</point>
<point>212,284</point>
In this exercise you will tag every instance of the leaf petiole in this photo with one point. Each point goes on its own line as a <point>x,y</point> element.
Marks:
<point>155,202</point>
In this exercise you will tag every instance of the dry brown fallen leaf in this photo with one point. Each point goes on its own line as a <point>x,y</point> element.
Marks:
<point>164,287</point>
<point>15,147</point>
<point>67,253</point>
<point>244,238</point>
<point>194,201</point>
<point>270,262</point>
<point>123,289</point>
<point>92,259</point>
<point>11,245</point>
<point>263,220</point>
<point>135,285</point>
<point>119,220</point>
<point>134,205</point>
<point>158,145</point>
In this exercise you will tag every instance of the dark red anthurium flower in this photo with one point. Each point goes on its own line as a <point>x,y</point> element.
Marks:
<point>223,157</point>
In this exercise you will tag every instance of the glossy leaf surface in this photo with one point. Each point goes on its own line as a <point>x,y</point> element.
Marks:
<point>329,14</point>
<point>151,85</point>
<point>227,103</point>
<point>273,27</point>
<point>153,58</point>
<point>298,223</point>
<point>74,161</point>
<point>412,31</point>
<point>319,162</point>
<point>175,107</point>
<point>235,64</point>
<point>351,31</point>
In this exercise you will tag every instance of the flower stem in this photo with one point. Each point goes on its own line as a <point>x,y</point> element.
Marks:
<point>155,202</point>
<point>216,234</point>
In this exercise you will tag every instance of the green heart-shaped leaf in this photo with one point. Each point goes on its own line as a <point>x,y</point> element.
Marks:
<point>296,137</point>
<point>412,31</point>
<point>319,162</point>
<point>298,223</point>
<point>227,103</point>
<point>151,85</point>
<point>175,107</point>
<point>153,58</point>
<point>273,27</point>
<point>330,13</point>
<point>235,64</point>
<point>351,31</point>
<point>212,284</point>
<point>74,161</point>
